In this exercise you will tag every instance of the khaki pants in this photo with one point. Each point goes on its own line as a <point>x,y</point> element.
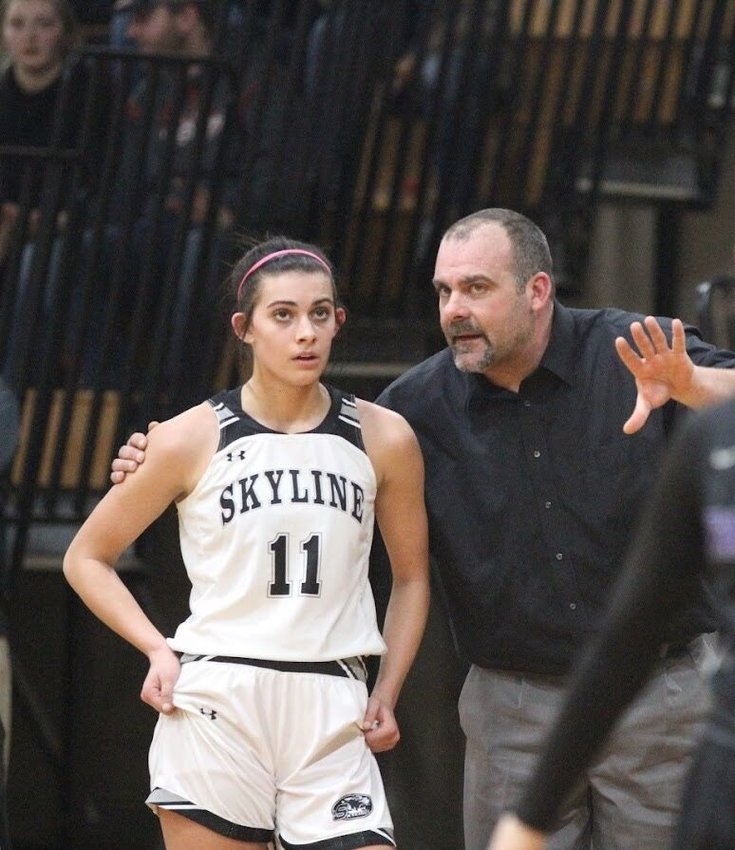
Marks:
<point>630,796</point>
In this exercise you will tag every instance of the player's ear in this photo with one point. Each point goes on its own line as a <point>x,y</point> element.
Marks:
<point>239,324</point>
<point>340,315</point>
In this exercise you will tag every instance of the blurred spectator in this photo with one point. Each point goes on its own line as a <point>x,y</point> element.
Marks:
<point>231,15</point>
<point>456,33</point>
<point>44,96</point>
<point>344,57</point>
<point>451,76</point>
<point>184,178</point>
<point>183,27</point>
<point>119,24</point>
<point>38,35</point>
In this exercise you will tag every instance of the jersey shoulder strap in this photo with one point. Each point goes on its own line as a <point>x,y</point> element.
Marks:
<point>342,419</point>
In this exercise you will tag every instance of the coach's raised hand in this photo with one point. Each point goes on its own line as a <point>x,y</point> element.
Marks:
<point>664,371</point>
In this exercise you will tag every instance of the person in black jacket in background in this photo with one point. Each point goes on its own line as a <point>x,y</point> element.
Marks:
<point>52,124</point>
<point>38,36</point>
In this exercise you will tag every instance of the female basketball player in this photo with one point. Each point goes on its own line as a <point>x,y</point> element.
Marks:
<point>266,726</point>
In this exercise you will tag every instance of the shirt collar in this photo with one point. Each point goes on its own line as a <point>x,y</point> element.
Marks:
<point>559,355</point>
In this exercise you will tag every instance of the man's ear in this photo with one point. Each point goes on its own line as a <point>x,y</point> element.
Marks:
<point>540,290</point>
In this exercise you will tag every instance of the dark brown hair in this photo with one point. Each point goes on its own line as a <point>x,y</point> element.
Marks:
<point>245,297</point>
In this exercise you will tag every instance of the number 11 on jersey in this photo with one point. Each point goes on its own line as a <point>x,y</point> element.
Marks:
<point>310,550</point>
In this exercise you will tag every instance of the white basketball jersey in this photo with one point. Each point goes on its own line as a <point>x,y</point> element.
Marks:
<point>276,539</point>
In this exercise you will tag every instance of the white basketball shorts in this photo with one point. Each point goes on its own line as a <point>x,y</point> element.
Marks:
<point>257,747</point>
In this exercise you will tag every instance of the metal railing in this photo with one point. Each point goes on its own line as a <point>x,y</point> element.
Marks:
<point>109,299</point>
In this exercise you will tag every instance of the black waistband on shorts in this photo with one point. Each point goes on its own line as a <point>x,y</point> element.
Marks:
<point>348,668</point>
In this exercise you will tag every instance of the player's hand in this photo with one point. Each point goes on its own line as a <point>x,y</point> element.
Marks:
<point>130,456</point>
<point>379,726</point>
<point>513,834</point>
<point>158,687</point>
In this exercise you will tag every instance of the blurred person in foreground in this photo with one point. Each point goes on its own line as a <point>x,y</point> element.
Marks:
<point>687,532</point>
<point>9,434</point>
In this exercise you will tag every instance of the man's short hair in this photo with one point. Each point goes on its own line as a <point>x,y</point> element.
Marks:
<point>528,242</point>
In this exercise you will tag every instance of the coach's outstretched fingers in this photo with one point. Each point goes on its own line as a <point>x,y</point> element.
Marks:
<point>662,370</point>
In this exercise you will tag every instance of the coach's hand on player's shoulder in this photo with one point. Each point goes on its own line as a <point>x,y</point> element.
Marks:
<point>158,687</point>
<point>131,455</point>
<point>379,726</point>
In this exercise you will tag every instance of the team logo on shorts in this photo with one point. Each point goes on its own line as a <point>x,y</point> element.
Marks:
<point>352,806</point>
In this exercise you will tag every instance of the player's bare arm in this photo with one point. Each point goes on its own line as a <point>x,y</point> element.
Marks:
<point>176,457</point>
<point>401,515</point>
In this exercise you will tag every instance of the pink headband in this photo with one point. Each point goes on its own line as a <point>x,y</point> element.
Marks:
<point>268,257</point>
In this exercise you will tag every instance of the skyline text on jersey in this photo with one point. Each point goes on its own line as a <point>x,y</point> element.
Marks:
<point>292,486</point>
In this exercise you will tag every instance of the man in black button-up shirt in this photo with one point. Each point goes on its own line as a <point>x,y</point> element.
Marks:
<point>542,428</point>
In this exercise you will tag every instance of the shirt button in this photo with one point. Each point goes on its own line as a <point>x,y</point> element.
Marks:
<point>547,505</point>
<point>559,556</point>
<point>573,606</point>
<point>536,453</point>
